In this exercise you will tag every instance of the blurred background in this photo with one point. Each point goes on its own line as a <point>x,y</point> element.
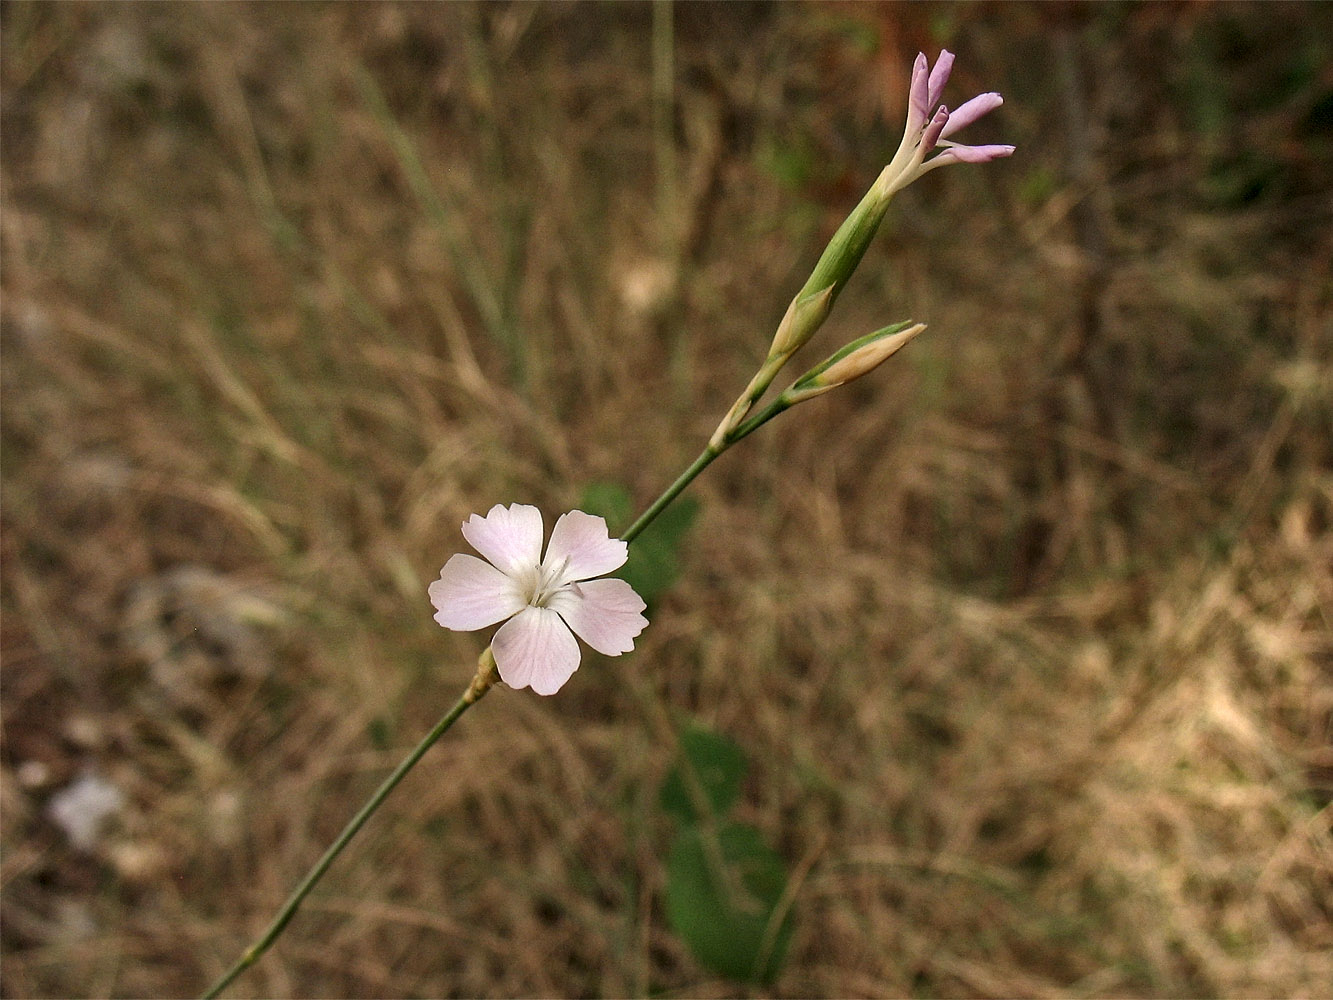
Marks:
<point>1026,639</point>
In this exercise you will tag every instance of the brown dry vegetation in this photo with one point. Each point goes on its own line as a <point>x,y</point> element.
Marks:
<point>1028,637</point>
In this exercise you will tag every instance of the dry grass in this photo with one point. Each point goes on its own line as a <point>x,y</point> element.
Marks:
<point>1030,641</point>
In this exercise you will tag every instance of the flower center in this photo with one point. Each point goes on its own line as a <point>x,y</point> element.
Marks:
<point>545,582</point>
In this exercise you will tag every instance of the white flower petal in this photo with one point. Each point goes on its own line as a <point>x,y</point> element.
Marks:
<point>584,540</point>
<point>603,613</point>
<point>510,537</point>
<point>535,649</point>
<point>471,594</point>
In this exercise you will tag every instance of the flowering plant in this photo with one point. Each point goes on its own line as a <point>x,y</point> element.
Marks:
<point>547,599</point>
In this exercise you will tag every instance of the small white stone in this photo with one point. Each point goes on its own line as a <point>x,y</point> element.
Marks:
<point>81,807</point>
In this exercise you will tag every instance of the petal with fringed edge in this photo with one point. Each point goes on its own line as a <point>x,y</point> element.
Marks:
<point>536,649</point>
<point>471,594</point>
<point>584,540</point>
<point>510,537</point>
<point>606,614</point>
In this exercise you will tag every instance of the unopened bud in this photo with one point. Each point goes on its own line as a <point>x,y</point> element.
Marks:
<point>804,316</point>
<point>856,359</point>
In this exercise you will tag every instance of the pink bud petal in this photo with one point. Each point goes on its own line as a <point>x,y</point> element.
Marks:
<point>510,537</point>
<point>584,541</point>
<point>933,130</point>
<point>972,154</point>
<point>939,76</point>
<point>606,614</point>
<point>970,111</point>
<point>917,101</point>
<point>471,594</point>
<point>535,649</point>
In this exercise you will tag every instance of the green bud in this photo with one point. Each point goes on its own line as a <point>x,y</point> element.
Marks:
<point>804,316</point>
<point>858,358</point>
<point>848,245</point>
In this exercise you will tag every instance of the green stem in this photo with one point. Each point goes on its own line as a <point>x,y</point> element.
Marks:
<point>760,418</point>
<point>672,491</point>
<point>702,462</point>
<point>289,908</point>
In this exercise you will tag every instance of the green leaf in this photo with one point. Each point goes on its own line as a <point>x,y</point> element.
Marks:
<point>721,898</point>
<point>609,500</point>
<point>654,563</point>
<point>717,767</point>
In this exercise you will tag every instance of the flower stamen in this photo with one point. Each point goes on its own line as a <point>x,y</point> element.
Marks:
<point>549,582</point>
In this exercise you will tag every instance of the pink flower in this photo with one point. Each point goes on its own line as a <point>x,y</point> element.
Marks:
<point>927,130</point>
<point>546,601</point>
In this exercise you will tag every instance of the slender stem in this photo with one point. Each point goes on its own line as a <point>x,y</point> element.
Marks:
<point>672,491</point>
<point>702,462</point>
<point>289,908</point>
<point>760,418</point>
